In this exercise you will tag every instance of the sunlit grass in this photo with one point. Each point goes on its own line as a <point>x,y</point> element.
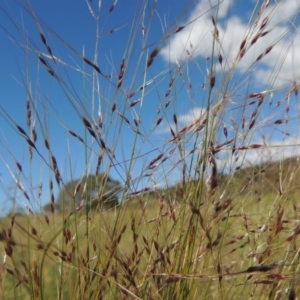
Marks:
<point>208,202</point>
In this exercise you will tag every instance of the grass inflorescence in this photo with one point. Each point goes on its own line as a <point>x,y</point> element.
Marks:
<point>167,172</point>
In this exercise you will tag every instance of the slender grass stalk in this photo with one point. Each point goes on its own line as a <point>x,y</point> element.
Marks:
<point>169,157</point>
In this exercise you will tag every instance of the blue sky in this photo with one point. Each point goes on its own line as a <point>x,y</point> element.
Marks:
<point>132,30</point>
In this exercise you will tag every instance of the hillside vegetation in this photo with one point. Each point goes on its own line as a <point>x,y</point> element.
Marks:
<point>245,243</point>
<point>150,143</point>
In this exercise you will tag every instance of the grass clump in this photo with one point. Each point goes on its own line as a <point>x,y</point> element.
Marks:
<point>195,133</point>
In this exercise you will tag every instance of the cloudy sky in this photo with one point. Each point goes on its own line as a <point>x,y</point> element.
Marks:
<point>175,50</point>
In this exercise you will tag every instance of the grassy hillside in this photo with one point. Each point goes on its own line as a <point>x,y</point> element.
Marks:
<point>168,108</point>
<point>244,244</point>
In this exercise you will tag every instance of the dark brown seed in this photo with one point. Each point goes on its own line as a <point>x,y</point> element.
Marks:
<point>30,142</point>
<point>122,65</point>
<point>194,209</point>
<point>264,23</point>
<point>51,72</point>
<point>111,8</point>
<point>164,159</point>
<point>34,135</point>
<point>279,122</point>
<point>54,163</point>
<point>154,53</point>
<point>213,20</point>
<point>102,144</point>
<point>156,245</point>
<point>259,57</point>
<point>21,130</point>
<point>225,131</point>
<point>156,159</point>
<point>92,64</point>
<point>263,281</point>
<point>143,86</point>
<point>242,53</point>
<point>121,74</point>
<point>130,95</point>
<point>173,279</point>
<point>175,118</point>
<point>33,231</point>
<point>233,149</point>
<point>12,222</point>
<point>243,44</point>
<point>254,113</point>
<point>26,196</point>
<point>179,29</point>
<point>292,294</point>
<point>151,167</point>
<point>259,269</point>
<point>43,39</point>
<point>220,58</point>
<point>256,37</point>
<point>92,133</point>
<point>183,130</point>
<point>86,122</point>
<point>19,166</point>
<point>124,118</point>
<point>269,49</point>
<point>217,32</point>
<point>260,101</point>
<point>44,61</point>
<point>264,33</point>
<point>172,132</point>
<point>255,146</point>
<point>212,81</point>
<point>171,82</point>
<point>133,103</point>
<point>8,270</point>
<point>47,144</point>
<point>113,107</point>
<point>149,62</point>
<point>251,124</point>
<point>72,133</point>
<point>242,148</point>
<point>49,50</point>
<point>158,121</point>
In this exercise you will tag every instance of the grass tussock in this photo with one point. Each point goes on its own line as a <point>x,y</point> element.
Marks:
<point>169,171</point>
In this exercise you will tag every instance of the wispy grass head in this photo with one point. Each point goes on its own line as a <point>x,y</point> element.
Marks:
<point>154,151</point>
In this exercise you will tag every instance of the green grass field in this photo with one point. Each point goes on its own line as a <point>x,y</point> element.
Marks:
<point>243,247</point>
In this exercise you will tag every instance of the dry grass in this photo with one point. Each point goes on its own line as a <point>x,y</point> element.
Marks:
<point>223,231</point>
<point>146,255</point>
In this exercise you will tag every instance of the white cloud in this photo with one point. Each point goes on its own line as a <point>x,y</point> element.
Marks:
<point>275,150</point>
<point>191,116</point>
<point>183,120</point>
<point>279,66</point>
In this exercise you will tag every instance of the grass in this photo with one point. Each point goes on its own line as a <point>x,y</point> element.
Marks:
<point>208,204</point>
<point>149,252</point>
